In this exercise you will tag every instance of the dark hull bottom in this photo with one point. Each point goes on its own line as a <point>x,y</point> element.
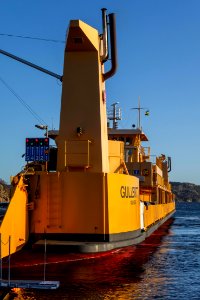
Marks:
<point>101,246</point>
<point>96,247</point>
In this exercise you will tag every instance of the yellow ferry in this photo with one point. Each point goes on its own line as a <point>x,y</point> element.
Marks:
<point>97,190</point>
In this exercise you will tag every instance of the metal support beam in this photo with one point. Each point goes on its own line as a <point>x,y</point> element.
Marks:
<point>31,64</point>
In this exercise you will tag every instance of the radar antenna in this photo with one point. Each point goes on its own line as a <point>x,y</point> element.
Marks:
<point>115,115</point>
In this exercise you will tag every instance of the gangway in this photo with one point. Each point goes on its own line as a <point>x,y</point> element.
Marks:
<point>30,284</point>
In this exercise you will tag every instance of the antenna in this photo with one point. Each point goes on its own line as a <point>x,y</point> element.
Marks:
<point>139,108</point>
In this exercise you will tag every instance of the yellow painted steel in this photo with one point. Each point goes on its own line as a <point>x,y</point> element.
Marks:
<point>153,213</point>
<point>86,203</point>
<point>123,203</point>
<point>69,202</point>
<point>83,102</point>
<point>78,27</point>
<point>116,156</point>
<point>15,222</point>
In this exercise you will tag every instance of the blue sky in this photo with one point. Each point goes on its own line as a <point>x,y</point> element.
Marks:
<point>159,60</point>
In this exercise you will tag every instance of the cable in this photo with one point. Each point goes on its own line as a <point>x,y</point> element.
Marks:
<point>31,38</point>
<point>36,116</point>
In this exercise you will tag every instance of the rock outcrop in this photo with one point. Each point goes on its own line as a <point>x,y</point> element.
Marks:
<point>4,191</point>
<point>186,192</point>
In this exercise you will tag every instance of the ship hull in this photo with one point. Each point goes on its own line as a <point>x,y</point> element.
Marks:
<point>69,245</point>
<point>30,263</point>
<point>98,213</point>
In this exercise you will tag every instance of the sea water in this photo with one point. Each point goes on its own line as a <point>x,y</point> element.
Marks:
<point>165,266</point>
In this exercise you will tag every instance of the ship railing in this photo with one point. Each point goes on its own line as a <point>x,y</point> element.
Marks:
<point>146,153</point>
<point>131,151</point>
<point>152,158</point>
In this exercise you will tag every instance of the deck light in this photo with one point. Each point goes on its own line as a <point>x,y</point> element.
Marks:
<point>42,127</point>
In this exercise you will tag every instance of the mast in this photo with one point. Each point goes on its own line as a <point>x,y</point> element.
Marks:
<point>139,108</point>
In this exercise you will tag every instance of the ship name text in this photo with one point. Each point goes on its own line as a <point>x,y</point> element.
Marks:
<point>128,191</point>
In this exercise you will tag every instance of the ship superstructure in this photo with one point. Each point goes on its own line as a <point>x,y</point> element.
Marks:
<point>96,190</point>
<point>156,197</point>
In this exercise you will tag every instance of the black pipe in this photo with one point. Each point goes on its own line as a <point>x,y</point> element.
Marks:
<point>113,69</point>
<point>169,164</point>
<point>104,56</point>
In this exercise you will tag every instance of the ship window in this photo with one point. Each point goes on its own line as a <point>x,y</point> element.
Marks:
<point>128,141</point>
<point>78,40</point>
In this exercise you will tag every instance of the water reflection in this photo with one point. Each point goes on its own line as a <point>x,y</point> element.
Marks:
<point>165,266</point>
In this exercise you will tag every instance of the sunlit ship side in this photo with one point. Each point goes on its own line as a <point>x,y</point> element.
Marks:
<point>98,190</point>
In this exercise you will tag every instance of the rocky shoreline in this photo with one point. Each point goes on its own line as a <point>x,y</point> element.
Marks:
<point>4,191</point>
<point>186,192</point>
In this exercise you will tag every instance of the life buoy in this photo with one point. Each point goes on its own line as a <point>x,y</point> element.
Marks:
<point>145,172</point>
